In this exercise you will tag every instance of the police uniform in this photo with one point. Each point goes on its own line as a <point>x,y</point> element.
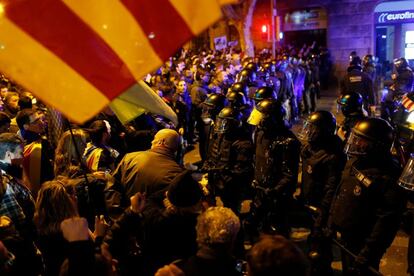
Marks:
<point>276,169</point>
<point>230,163</point>
<point>322,165</point>
<point>359,82</point>
<point>368,206</point>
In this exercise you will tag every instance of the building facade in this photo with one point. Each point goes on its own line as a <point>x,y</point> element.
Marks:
<point>382,28</point>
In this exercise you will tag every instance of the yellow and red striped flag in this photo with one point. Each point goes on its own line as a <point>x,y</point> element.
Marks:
<point>407,102</point>
<point>78,56</point>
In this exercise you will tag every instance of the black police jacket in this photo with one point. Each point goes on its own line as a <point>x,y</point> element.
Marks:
<point>276,160</point>
<point>358,82</point>
<point>230,159</point>
<point>322,167</point>
<point>404,81</point>
<point>369,203</point>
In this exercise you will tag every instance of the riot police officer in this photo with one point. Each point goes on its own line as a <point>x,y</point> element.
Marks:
<point>351,107</point>
<point>407,182</point>
<point>359,82</point>
<point>368,66</point>
<point>210,108</point>
<point>262,93</point>
<point>402,83</point>
<point>239,87</point>
<point>276,167</point>
<point>230,159</point>
<point>404,77</point>
<point>322,164</point>
<point>368,204</point>
<point>248,77</point>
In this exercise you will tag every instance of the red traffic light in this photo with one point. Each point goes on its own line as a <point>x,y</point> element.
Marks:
<point>264,28</point>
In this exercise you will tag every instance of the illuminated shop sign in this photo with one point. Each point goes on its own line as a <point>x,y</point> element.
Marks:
<point>392,17</point>
<point>310,19</point>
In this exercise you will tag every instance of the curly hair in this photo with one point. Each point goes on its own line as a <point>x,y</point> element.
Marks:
<point>217,225</point>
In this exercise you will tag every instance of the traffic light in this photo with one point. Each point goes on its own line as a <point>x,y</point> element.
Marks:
<point>265,32</point>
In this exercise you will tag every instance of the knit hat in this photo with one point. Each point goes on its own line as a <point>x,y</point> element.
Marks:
<point>184,191</point>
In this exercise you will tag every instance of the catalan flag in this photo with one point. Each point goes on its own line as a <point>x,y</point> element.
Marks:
<point>80,55</point>
<point>407,102</point>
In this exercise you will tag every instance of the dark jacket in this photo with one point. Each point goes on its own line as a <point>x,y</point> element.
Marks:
<point>197,266</point>
<point>322,167</point>
<point>368,205</point>
<point>147,172</point>
<point>359,82</point>
<point>164,236</point>
<point>277,160</point>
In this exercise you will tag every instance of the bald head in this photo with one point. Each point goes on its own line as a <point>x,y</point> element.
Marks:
<point>166,138</point>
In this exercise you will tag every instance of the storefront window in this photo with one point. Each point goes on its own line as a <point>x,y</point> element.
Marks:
<point>394,31</point>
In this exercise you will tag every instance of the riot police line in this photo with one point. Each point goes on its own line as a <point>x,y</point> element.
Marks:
<point>251,153</point>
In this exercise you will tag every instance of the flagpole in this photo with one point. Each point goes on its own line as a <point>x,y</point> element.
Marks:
<point>82,166</point>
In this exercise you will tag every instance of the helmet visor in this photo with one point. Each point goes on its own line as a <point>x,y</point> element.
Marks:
<point>255,117</point>
<point>407,177</point>
<point>357,145</point>
<point>222,125</point>
<point>309,132</point>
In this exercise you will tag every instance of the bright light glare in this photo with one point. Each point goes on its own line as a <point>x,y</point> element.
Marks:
<point>1,8</point>
<point>410,118</point>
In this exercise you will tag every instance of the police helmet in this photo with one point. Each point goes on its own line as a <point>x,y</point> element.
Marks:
<point>400,64</point>
<point>352,55</point>
<point>212,106</point>
<point>267,110</point>
<point>350,103</point>
<point>355,62</point>
<point>264,92</point>
<point>236,99</point>
<point>245,75</point>
<point>227,120</point>
<point>370,135</point>
<point>319,125</point>
<point>240,87</point>
<point>251,66</point>
<point>268,67</point>
<point>215,100</point>
<point>368,60</point>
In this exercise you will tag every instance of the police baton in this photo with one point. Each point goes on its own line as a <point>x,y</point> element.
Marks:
<point>316,210</point>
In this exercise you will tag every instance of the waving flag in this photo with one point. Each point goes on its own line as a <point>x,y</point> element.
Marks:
<point>408,103</point>
<point>79,55</point>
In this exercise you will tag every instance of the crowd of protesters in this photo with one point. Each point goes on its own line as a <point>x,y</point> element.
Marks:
<point>107,198</point>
